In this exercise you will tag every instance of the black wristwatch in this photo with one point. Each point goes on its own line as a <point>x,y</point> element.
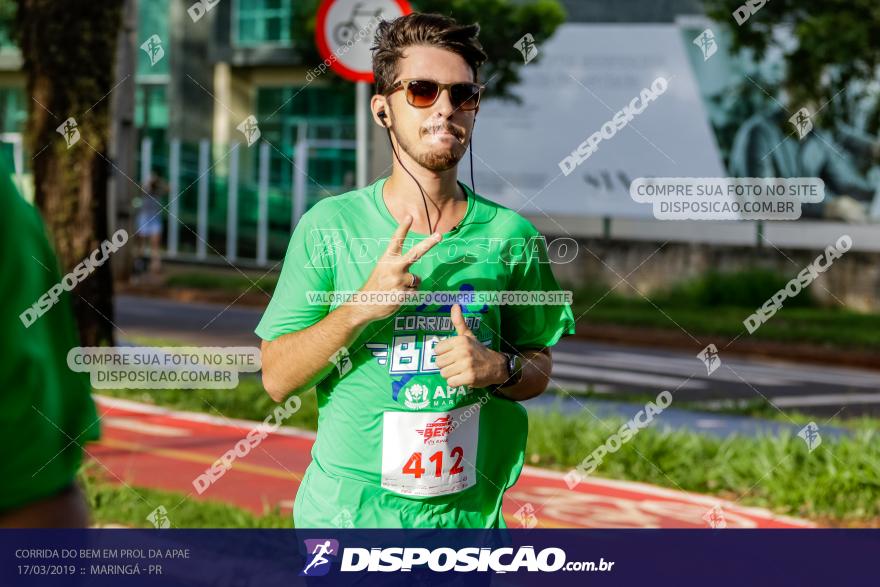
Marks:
<point>514,369</point>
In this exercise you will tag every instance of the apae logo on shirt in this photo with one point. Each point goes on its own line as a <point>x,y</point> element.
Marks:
<point>416,397</point>
<point>419,396</point>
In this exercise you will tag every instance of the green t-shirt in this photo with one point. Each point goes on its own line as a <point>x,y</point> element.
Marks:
<point>396,446</point>
<point>46,410</point>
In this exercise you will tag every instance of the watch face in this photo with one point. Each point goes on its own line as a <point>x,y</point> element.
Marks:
<point>516,367</point>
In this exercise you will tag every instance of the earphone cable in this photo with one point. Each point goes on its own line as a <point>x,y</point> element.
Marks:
<point>422,191</point>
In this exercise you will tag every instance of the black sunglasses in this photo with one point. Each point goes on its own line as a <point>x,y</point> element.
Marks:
<point>422,93</point>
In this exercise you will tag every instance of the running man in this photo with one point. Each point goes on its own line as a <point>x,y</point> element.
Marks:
<point>319,553</point>
<point>419,425</point>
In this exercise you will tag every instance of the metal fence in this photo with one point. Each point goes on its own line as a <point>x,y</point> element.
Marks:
<point>239,203</point>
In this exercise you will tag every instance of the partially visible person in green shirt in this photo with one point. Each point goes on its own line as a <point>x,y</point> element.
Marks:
<point>46,410</point>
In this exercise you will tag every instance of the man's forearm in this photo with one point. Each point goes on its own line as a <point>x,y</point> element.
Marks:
<point>298,360</point>
<point>535,376</point>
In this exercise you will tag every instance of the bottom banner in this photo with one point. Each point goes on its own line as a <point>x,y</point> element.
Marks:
<point>438,557</point>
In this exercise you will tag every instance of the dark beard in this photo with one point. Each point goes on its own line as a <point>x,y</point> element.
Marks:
<point>438,161</point>
<point>435,161</point>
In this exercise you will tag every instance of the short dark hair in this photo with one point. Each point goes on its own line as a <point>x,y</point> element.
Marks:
<point>417,28</point>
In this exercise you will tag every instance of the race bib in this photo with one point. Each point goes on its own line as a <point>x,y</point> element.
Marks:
<point>430,453</point>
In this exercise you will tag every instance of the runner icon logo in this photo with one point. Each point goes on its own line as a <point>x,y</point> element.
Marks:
<point>321,553</point>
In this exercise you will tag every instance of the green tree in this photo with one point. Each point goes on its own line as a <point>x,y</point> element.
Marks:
<point>502,24</point>
<point>835,46</point>
<point>68,50</point>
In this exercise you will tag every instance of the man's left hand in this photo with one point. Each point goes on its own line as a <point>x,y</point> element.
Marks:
<point>464,360</point>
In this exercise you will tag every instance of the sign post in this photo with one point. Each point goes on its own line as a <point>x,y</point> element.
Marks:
<point>344,33</point>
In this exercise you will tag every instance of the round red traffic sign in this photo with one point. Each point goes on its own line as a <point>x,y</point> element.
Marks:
<point>344,33</point>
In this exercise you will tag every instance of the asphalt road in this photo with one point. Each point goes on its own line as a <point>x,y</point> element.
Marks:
<point>609,370</point>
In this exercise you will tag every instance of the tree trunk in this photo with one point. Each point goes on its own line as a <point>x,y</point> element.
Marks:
<point>69,51</point>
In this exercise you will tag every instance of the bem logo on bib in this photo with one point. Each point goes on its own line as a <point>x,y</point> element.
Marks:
<point>436,431</point>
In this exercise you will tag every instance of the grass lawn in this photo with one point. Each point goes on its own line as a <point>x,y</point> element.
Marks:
<point>113,503</point>
<point>820,326</point>
<point>838,483</point>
